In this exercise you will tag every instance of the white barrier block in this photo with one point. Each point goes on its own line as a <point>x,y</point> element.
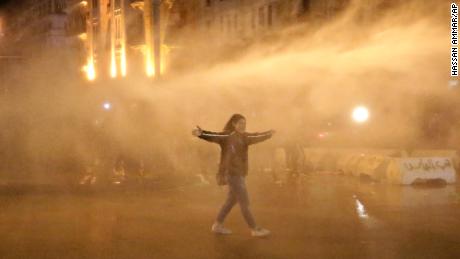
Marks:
<point>426,168</point>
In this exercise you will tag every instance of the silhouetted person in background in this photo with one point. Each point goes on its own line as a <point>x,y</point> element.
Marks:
<point>119,171</point>
<point>92,171</point>
<point>233,168</point>
<point>295,161</point>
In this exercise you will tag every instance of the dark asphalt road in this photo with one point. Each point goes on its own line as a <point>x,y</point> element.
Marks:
<point>326,216</point>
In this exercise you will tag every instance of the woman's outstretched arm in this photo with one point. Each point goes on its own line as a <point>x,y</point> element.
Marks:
<point>215,137</point>
<point>254,138</point>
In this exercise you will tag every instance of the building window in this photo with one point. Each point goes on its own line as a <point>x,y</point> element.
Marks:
<point>117,4</point>
<point>270,16</point>
<point>118,27</point>
<point>95,31</point>
<point>261,16</point>
<point>48,7</point>
<point>41,10</point>
<point>61,6</point>
<point>306,5</point>
<point>222,23</point>
<point>253,19</point>
<point>229,23</point>
<point>208,3</point>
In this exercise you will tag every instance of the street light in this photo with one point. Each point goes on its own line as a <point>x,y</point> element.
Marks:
<point>360,114</point>
<point>107,106</point>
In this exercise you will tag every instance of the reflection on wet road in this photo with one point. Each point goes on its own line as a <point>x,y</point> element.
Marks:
<point>322,216</point>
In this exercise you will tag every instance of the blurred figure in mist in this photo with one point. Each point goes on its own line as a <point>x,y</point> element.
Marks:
<point>91,172</point>
<point>296,172</point>
<point>294,161</point>
<point>141,171</point>
<point>234,142</point>
<point>119,173</point>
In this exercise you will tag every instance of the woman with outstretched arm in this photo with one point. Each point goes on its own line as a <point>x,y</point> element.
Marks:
<point>233,168</point>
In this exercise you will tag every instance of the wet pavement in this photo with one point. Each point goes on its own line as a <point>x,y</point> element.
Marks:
<point>322,216</point>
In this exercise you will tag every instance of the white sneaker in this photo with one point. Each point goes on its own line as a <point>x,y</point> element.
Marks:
<point>220,229</point>
<point>260,232</point>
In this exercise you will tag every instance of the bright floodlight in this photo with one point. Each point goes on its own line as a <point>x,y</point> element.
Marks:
<point>107,106</point>
<point>360,114</point>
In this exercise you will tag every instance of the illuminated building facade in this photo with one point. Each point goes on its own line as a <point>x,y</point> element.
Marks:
<point>117,38</point>
<point>43,22</point>
<point>108,36</point>
<point>230,22</point>
<point>122,33</point>
<point>238,23</point>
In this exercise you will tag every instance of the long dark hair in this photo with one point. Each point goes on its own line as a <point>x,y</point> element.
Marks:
<point>229,127</point>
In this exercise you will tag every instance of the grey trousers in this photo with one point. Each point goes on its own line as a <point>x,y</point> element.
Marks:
<point>237,193</point>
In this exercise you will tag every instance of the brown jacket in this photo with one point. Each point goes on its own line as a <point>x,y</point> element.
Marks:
<point>234,149</point>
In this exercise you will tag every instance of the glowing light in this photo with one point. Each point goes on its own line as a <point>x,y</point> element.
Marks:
<point>150,70</point>
<point>91,73</point>
<point>149,60</point>
<point>107,106</point>
<point>323,135</point>
<point>123,62</point>
<point>83,36</point>
<point>360,209</point>
<point>360,114</point>
<point>90,70</point>
<point>149,67</point>
<point>84,3</point>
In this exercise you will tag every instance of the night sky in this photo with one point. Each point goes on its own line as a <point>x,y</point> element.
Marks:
<point>2,2</point>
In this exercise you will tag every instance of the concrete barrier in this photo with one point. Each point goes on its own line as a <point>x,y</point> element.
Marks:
<point>386,165</point>
<point>342,162</point>
<point>367,165</point>
<point>328,162</point>
<point>404,171</point>
<point>352,165</point>
<point>381,168</point>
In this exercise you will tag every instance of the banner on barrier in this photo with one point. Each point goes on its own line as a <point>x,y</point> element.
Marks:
<point>427,168</point>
